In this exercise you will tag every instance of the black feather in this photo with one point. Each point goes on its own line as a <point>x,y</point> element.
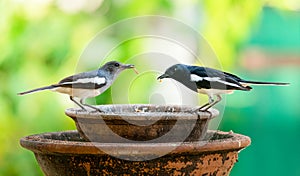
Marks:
<point>72,81</point>
<point>206,72</point>
<point>37,89</point>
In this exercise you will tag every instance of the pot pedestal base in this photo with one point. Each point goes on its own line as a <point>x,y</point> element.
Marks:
<point>66,153</point>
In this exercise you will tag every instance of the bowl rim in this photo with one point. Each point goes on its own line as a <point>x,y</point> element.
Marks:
<point>39,144</point>
<point>77,113</point>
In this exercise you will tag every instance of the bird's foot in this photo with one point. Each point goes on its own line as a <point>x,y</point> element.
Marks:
<point>95,109</point>
<point>206,110</point>
<point>82,109</point>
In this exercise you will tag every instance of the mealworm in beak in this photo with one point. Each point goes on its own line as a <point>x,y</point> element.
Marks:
<point>135,70</point>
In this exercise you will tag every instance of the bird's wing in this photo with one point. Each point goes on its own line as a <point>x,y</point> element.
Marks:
<point>209,78</point>
<point>86,80</point>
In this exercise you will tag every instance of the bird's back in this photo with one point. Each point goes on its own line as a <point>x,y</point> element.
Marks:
<point>216,79</point>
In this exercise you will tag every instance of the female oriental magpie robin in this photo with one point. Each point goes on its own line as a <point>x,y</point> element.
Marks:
<point>209,81</point>
<point>87,84</point>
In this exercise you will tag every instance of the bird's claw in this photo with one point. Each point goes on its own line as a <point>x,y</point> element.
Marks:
<point>98,110</point>
<point>95,109</point>
<point>205,110</point>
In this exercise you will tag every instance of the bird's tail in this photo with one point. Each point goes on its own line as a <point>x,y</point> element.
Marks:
<point>36,90</point>
<point>265,83</point>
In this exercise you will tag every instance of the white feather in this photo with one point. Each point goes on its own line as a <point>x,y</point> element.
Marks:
<point>213,79</point>
<point>196,78</point>
<point>218,79</point>
<point>228,83</point>
<point>96,80</point>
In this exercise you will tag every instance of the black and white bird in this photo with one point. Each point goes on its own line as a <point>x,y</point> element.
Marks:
<point>209,81</point>
<point>87,84</point>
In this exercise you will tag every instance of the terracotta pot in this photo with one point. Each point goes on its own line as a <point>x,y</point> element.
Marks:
<point>66,153</point>
<point>142,123</point>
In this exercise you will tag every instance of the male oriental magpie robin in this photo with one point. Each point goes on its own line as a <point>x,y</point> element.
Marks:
<point>209,81</point>
<point>87,84</point>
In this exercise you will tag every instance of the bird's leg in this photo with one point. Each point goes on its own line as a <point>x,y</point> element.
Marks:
<point>219,98</point>
<point>90,106</point>
<point>203,106</point>
<point>71,98</point>
<point>210,101</point>
<point>206,106</point>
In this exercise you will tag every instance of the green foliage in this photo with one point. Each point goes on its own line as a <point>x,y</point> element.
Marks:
<point>228,25</point>
<point>36,51</point>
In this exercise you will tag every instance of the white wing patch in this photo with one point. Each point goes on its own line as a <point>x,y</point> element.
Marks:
<point>228,83</point>
<point>213,79</point>
<point>196,78</point>
<point>96,80</point>
<point>218,79</point>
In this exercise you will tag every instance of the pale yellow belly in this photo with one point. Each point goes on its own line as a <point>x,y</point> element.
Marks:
<point>80,93</point>
<point>214,91</point>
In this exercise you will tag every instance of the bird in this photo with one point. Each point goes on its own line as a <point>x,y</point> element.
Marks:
<point>209,81</point>
<point>87,84</point>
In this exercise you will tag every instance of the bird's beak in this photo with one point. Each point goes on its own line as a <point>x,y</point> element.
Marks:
<point>163,76</point>
<point>130,66</point>
<point>126,66</point>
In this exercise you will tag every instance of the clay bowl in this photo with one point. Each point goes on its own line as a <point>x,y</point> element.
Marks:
<point>67,153</point>
<point>138,122</point>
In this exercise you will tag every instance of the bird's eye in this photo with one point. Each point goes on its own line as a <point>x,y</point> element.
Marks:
<point>117,64</point>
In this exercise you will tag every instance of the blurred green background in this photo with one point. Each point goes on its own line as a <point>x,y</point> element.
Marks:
<point>41,41</point>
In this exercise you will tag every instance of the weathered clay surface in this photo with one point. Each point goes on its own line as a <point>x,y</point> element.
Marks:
<point>66,153</point>
<point>142,122</point>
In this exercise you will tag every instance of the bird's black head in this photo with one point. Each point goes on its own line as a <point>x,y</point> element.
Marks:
<point>180,73</point>
<point>177,72</point>
<point>114,66</point>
